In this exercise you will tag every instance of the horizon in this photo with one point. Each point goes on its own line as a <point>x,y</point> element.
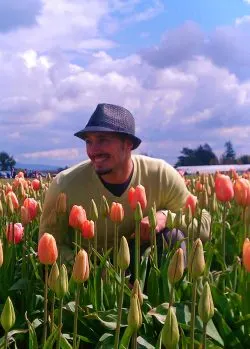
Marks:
<point>183,70</point>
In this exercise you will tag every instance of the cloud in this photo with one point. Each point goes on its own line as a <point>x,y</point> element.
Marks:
<point>62,154</point>
<point>16,14</point>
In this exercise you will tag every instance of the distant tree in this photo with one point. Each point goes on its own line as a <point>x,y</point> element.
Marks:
<point>203,155</point>
<point>7,162</point>
<point>229,156</point>
<point>244,160</point>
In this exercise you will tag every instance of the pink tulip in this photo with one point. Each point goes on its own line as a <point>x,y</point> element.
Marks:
<point>192,202</point>
<point>77,216</point>
<point>242,192</point>
<point>36,184</point>
<point>31,205</point>
<point>224,188</point>
<point>246,255</point>
<point>18,232</point>
<point>13,198</point>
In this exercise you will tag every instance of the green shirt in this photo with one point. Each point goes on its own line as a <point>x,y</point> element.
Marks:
<point>80,183</point>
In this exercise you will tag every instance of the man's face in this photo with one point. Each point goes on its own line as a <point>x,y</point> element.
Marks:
<point>107,151</point>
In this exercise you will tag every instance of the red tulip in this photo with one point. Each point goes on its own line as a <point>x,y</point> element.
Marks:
<point>224,188</point>
<point>13,198</point>
<point>242,192</point>
<point>246,255</point>
<point>88,229</point>
<point>31,205</point>
<point>198,186</point>
<point>116,212</point>
<point>192,202</point>
<point>36,184</point>
<point>77,216</point>
<point>137,194</point>
<point>14,233</point>
<point>47,249</point>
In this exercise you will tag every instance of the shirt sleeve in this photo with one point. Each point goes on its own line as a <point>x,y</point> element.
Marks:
<point>174,195</point>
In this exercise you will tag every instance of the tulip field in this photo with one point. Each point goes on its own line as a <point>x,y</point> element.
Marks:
<point>197,300</point>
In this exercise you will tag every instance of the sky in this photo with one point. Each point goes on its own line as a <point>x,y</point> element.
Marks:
<point>181,67</point>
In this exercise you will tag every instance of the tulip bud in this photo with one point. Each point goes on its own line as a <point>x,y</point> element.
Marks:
<point>10,207</point>
<point>203,200</point>
<point>211,182</point>
<point>61,203</point>
<point>1,253</point>
<point>134,314</point>
<point>53,276</point>
<point>206,304</point>
<point>137,290</point>
<point>62,283</point>
<point>116,212</point>
<point>178,219</point>
<point>176,266</point>
<point>104,210</point>
<point>152,217</point>
<point>188,215</point>
<point>93,211</point>
<point>170,330</point>
<point>170,219</point>
<point>213,207</point>
<point>81,267</point>
<point>138,212</point>
<point>196,261</point>
<point>8,316</point>
<point>1,209</point>
<point>48,177</point>
<point>123,258</point>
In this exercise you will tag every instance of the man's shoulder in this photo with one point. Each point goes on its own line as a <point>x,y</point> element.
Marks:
<point>79,170</point>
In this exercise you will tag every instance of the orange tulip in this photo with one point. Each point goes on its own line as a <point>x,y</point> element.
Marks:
<point>77,216</point>
<point>14,232</point>
<point>13,198</point>
<point>25,218</point>
<point>31,205</point>
<point>47,249</point>
<point>137,194</point>
<point>246,255</point>
<point>198,186</point>
<point>8,188</point>
<point>116,212</point>
<point>88,229</point>
<point>192,202</point>
<point>36,184</point>
<point>81,267</point>
<point>224,188</point>
<point>242,192</point>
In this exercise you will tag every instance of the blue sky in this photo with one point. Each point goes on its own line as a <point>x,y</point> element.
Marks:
<point>181,67</point>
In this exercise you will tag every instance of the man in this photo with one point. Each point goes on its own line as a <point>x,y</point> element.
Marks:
<point>110,171</point>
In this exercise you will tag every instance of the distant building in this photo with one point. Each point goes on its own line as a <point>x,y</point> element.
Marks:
<point>213,168</point>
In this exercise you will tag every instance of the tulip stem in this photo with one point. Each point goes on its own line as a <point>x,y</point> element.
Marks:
<point>76,315</point>
<point>204,336</point>
<point>45,317</point>
<point>75,242</point>
<point>5,340</point>
<point>106,236</point>
<point>137,249</point>
<point>193,306</point>
<point>224,241</point>
<point>119,315</point>
<point>52,312</point>
<point>95,246</point>
<point>60,323</point>
<point>171,296</point>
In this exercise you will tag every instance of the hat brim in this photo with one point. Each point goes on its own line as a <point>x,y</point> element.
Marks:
<point>82,134</point>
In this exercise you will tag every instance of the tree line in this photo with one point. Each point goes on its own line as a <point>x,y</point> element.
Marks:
<point>204,155</point>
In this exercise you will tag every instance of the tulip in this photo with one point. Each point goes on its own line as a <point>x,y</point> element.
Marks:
<point>14,232</point>
<point>20,174</point>
<point>80,275</point>
<point>123,258</point>
<point>137,194</point>
<point>242,192</point>
<point>134,314</point>
<point>8,316</point>
<point>47,249</point>
<point>198,186</point>
<point>88,229</point>
<point>104,210</point>
<point>81,267</point>
<point>31,205</point>
<point>77,216</point>
<point>176,266</point>
<point>196,263</point>
<point>137,290</point>
<point>25,218</point>
<point>170,331</point>
<point>61,203</point>
<point>116,212</point>
<point>53,276</point>
<point>13,199</point>
<point>36,184</point>
<point>93,211</point>
<point>246,255</point>
<point>206,305</point>
<point>192,202</point>
<point>8,188</point>
<point>1,253</point>
<point>1,209</point>
<point>62,284</point>
<point>224,188</point>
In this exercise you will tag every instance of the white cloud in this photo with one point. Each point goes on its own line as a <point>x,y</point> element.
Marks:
<point>62,154</point>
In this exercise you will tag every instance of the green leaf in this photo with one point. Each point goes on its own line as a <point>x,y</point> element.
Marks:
<point>21,284</point>
<point>32,334</point>
<point>144,343</point>
<point>124,342</point>
<point>51,340</point>
<point>64,344</point>
<point>108,318</point>
<point>106,341</point>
